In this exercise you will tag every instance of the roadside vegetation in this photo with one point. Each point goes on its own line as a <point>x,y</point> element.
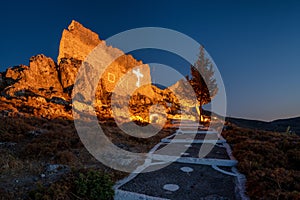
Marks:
<point>45,159</point>
<point>270,161</point>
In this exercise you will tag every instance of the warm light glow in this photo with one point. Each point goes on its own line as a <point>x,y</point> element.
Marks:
<point>206,120</point>
<point>138,118</point>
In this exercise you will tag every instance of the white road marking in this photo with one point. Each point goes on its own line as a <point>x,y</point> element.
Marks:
<point>171,187</point>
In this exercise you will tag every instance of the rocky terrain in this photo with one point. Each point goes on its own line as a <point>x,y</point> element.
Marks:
<point>44,87</point>
<point>40,150</point>
<point>42,157</point>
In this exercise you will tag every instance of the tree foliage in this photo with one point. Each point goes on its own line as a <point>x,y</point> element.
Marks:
<point>202,80</point>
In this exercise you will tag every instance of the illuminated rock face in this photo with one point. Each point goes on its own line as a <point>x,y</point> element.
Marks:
<point>45,83</point>
<point>43,75</point>
<point>40,77</point>
<point>127,74</point>
<point>77,43</point>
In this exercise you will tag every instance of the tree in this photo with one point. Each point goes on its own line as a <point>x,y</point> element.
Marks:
<point>203,81</point>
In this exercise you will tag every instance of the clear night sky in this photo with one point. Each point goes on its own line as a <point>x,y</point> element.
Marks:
<point>255,44</point>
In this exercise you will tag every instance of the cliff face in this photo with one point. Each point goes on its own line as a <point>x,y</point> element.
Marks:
<point>45,83</point>
<point>77,42</point>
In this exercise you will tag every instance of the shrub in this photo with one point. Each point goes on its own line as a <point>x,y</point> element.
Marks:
<point>269,160</point>
<point>94,185</point>
<point>82,184</point>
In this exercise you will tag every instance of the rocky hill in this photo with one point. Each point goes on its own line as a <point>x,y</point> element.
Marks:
<point>44,87</point>
<point>42,157</point>
<point>40,151</point>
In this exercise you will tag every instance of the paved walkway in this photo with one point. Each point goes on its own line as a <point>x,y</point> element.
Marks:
<point>182,169</point>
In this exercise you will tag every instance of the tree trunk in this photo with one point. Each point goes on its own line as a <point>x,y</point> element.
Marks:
<point>199,110</point>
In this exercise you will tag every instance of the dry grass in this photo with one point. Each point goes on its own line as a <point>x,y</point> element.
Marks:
<point>270,161</point>
<point>31,143</point>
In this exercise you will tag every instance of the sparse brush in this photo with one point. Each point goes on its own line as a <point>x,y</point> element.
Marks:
<point>85,184</point>
<point>94,185</point>
<point>269,160</point>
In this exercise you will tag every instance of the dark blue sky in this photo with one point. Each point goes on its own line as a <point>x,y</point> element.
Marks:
<point>255,44</point>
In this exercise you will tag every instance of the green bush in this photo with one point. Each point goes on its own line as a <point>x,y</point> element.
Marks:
<point>86,185</point>
<point>94,185</point>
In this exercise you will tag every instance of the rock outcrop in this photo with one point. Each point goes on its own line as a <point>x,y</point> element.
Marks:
<point>68,68</point>
<point>40,77</point>
<point>45,87</point>
<point>77,42</point>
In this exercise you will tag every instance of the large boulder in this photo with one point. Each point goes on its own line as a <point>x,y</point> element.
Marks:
<point>39,78</point>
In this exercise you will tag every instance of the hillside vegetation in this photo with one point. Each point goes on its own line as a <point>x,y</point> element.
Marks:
<point>270,161</point>
<point>45,159</point>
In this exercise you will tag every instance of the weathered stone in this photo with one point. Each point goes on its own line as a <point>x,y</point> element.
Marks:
<point>43,72</point>
<point>59,100</point>
<point>44,88</point>
<point>41,100</point>
<point>68,69</point>
<point>39,78</point>
<point>184,93</point>
<point>77,42</point>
